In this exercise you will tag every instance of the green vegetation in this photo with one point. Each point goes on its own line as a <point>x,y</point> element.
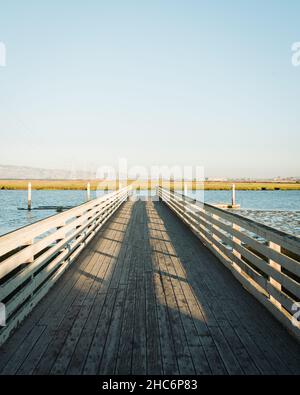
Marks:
<point>144,185</point>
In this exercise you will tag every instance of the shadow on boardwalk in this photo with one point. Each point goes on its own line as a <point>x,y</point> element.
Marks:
<point>147,297</point>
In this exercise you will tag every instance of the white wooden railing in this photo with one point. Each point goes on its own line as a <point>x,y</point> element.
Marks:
<point>266,261</point>
<point>34,257</point>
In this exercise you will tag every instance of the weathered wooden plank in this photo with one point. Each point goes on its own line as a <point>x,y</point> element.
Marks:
<point>256,354</point>
<point>154,362</point>
<point>168,354</point>
<point>76,364</point>
<point>197,352</point>
<point>125,350</point>
<point>199,318</point>
<point>17,359</point>
<point>110,350</point>
<point>96,349</point>
<point>139,351</point>
<point>94,356</point>
<point>220,320</point>
<point>139,354</point>
<point>211,353</point>
<point>210,319</point>
<point>280,349</point>
<point>46,362</point>
<point>85,300</point>
<point>216,305</point>
<point>184,359</point>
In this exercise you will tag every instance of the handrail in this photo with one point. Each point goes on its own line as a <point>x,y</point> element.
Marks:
<point>34,257</point>
<point>265,260</point>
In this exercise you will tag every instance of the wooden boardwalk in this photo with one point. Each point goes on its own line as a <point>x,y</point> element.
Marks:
<point>146,297</point>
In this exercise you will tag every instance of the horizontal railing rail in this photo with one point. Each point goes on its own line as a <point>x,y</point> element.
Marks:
<point>266,261</point>
<point>34,257</point>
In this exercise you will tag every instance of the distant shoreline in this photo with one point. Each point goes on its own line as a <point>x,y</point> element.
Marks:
<point>144,185</point>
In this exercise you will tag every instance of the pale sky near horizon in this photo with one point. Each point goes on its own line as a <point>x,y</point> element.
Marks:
<point>207,83</point>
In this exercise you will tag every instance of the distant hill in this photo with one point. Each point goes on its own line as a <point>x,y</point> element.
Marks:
<point>24,173</point>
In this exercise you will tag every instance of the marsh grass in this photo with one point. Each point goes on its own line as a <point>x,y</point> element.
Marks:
<point>143,185</point>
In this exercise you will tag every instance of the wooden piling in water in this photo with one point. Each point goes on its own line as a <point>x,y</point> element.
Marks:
<point>88,191</point>
<point>233,195</point>
<point>29,196</point>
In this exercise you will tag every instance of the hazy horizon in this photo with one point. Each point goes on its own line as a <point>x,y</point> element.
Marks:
<point>84,174</point>
<point>198,83</point>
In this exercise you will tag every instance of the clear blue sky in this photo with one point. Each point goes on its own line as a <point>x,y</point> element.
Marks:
<point>159,82</point>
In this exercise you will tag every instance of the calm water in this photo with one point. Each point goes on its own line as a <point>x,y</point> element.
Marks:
<point>11,218</point>
<point>278,209</point>
<point>255,200</point>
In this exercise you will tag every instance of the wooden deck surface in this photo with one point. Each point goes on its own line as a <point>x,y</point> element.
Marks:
<point>146,297</point>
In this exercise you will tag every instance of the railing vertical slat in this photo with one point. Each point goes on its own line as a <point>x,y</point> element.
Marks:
<point>235,252</point>
<point>277,267</point>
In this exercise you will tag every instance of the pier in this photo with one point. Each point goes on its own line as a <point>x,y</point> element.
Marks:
<point>164,286</point>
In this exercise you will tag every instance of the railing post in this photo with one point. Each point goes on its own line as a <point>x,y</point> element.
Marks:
<point>31,259</point>
<point>277,267</point>
<point>149,187</point>
<point>117,182</point>
<point>61,234</point>
<point>214,216</point>
<point>184,195</point>
<point>171,184</point>
<point>185,189</point>
<point>159,186</point>
<point>235,252</point>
